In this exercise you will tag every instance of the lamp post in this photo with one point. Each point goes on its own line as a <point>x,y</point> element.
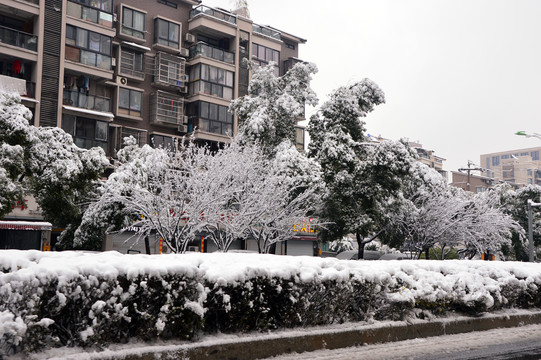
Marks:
<point>523,133</point>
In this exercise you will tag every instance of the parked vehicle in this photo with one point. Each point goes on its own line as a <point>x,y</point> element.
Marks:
<point>353,255</point>
<point>398,256</point>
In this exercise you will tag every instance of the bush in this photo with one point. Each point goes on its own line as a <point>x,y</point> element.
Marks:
<point>63,299</point>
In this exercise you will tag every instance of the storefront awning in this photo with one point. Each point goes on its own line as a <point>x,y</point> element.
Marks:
<point>25,225</point>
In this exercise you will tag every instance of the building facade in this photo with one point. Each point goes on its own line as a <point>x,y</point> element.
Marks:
<point>517,167</point>
<point>153,69</point>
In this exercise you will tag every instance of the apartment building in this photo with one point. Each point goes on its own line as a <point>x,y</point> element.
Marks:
<point>429,158</point>
<point>518,167</point>
<point>152,69</point>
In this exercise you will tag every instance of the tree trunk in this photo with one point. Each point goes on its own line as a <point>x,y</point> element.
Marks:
<point>427,253</point>
<point>147,245</point>
<point>360,244</point>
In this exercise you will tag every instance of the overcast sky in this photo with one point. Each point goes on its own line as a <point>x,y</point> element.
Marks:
<point>460,76</point>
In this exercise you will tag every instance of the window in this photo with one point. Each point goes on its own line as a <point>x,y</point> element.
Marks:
<point>263,56</point>
<point>535,155</point>
<point>211,80</point>
<point>480,189</point>
<point>290,46</point>
<point>530,172</point>
<point>161,141</point>
<point>88,47</point>
<point>133,22</point>
<point>166,33</point>
<point>495,160</point>
<point>168,3</point>
<point>132,63</point>
<point>129,101</point>
<point>86,133</point>
<point>505,157</point>
<point>210,117</point>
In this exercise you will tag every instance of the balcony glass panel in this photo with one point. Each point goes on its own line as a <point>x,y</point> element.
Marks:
<point>90,102</point>
<point>18,38</point>
<point>212,52</point>
<point>215,13</point>
<point>263,30</point>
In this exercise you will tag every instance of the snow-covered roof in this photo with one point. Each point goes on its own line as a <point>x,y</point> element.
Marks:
<point>90,112</point>
<point>25,225</point>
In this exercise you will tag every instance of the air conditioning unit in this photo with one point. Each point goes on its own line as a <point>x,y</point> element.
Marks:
<point>115,17</point>
<point>190,38</point>
<point>183,89</point>
<point>193,249</point>
<point>185,77</point>
<point>113,62</point>
<point>183,128</point>
<point>184,52</point>
<point>185,120</point>
<point>121,80</point>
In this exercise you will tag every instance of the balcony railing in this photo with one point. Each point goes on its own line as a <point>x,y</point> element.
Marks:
<point>263,30</point>
<point>212,52</point>
<point>169,70</point>
<point>215,13</point>
<point>18,38</point>
<point>90,102</point>
<point>88,13</point>
<point>166,108</point>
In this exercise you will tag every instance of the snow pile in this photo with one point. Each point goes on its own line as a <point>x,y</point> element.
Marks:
<point>87,299</point>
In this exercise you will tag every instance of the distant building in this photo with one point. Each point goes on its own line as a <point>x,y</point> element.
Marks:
<point>427,157</point>
<point>518,167</point>
<point>473,183</point>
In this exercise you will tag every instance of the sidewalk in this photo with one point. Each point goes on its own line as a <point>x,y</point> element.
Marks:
<point>257,346</point>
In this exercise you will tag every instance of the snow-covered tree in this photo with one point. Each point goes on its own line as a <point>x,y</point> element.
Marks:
<point>433,213</point>
<point>343,244</point>
<point>361,176</point>
<point>179,194</point>
<point>46,163</point>
<point>270,112</point>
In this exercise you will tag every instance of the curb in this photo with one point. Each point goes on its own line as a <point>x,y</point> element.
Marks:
<point>251,348</point>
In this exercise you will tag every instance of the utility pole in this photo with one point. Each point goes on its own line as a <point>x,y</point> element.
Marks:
<point>469,170</point>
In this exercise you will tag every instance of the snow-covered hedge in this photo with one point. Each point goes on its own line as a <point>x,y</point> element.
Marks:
<point>71,298</point>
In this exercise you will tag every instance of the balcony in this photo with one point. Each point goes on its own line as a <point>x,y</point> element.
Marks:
<point>212,52</point>
<point>215,13</point>
<point>169,72</point>
<point>84,101</point>
<point>166,109</point>
<point>266,31</point>
<point>90,14</point>
<point>19,39</point>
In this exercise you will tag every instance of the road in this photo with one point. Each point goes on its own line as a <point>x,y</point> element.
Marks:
<point>512,343</point>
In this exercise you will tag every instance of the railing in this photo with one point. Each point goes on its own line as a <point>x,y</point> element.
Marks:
<point>18,38</point>
<point>218,14</point>
<point>90,102</point>
<point>212,52</point>
<point>166,108</point>
<point>169,70</point>
<point>128,65</point>
<point>263,30</point>
<point>88,13</point>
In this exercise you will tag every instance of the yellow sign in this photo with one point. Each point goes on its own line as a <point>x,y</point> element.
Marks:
<point>305,227</point>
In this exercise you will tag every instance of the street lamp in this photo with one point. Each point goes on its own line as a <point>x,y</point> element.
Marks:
<point>523,133</point>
